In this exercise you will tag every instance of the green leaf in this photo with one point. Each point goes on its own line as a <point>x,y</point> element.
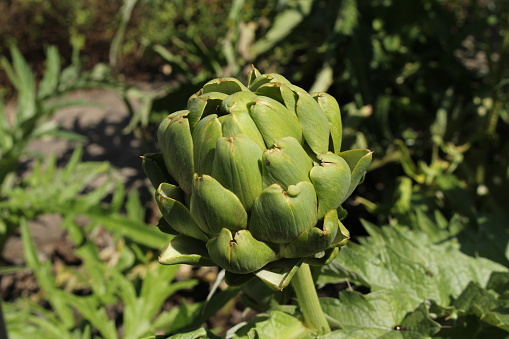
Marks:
<point>23,79</point>
<point>136,231</point>
<point>486,305</point>
<point>44,277</point>
<point>200,333</point>
<point>49,82</point>
<point>419,323</point>
<point>397,258</point>
<point>491,240</point>
<point>91,310</point>
<point>378,314</point>
<point>277,325</point>
<point>354,310</point>
<point>285,22</point>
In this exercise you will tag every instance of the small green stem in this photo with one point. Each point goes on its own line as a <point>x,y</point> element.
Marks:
<point>305,289</point>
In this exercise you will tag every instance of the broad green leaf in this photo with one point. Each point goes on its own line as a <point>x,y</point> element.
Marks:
<point>376,315</point>
<point>486,305</point>
<point>490,241</point>
<point>354,310</point>
<point>277,325</point>
<point>398,258</point>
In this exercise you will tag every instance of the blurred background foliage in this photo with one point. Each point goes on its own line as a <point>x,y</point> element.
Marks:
<point>424,84</point>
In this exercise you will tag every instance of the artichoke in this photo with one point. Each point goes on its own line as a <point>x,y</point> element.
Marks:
<point>252,178</point>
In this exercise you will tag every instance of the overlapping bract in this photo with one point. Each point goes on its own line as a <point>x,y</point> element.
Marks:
<point>251,178</point>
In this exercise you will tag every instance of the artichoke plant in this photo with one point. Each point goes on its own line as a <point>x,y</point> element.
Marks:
<point>251,178</point>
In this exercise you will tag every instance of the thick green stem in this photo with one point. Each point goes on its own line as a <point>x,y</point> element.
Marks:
<point>305,289</point>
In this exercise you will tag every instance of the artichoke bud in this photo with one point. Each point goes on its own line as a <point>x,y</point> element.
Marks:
<point>239,252</point>
<point>279,92</point>
<point>358,160</point>
<point>267,78</point>
<point>174,137</point>
<point>155,169</point>
<point>252,75</point>
<point>185,250</point>
<point>214,207</point>
<point>313,240</point>
<point>237,167</point>
<point>205,136</point>
<point>280,216</point>
<point>286,163</point>
<point>203,105</point>
<point>332,182</point>
<point>224,85</point>
<point>252,178</point>
<point>274,120</point>
<point>331,108</point>
<point>313,120</point>
<point>170,200</point>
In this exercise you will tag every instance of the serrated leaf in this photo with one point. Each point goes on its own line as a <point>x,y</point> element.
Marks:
<point>396,257</point>
<point>276,325</point>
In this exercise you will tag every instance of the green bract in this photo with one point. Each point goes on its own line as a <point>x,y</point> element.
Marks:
<point>250,178</point>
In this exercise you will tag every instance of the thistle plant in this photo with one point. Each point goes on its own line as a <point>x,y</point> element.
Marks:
<point>251,178</point>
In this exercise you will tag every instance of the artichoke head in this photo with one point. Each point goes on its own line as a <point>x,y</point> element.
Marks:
<point>251,178</point>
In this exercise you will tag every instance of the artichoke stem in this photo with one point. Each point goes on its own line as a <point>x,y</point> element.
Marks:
<point>307,297</point>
